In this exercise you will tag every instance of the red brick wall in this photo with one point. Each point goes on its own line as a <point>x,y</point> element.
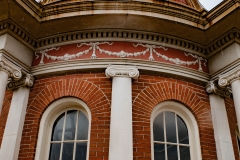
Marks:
<point>148,91</point>
<point>232,120</point>
<point>4,113</point>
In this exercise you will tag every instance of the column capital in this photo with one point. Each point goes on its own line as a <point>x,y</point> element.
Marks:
<point>122,71</point>
<point>11,69</point>
<point>25,81</point>
<point>228,78</point>
<point>212,87</point>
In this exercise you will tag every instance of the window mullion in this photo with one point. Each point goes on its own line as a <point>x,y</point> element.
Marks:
<point>165,137</point>
<point>177,137</point>
<point>75,138</point>
<point>63,133</point>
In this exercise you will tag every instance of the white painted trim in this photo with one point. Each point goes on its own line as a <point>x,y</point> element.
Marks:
<point>188,118</point>
<point>48,119</point>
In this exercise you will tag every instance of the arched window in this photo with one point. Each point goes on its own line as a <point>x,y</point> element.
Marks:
<point>64,131</point>
<point>174,133</point>
<point>69,136</point>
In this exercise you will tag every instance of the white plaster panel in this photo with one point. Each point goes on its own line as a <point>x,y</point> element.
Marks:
<point>17,49</point>
<point>224,58</point>
<point>221,128</point>
<point>3,39</point>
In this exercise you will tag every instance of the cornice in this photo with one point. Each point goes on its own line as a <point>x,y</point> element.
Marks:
<point>122,71</point>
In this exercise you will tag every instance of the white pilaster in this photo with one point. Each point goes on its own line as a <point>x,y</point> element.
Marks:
<point>220,122</point>
<point>16,116</point>
<point>236,98</point>
<point>3,85</point>
<point>121,136</point>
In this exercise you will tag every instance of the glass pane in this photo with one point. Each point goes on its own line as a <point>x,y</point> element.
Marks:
<point>58,128</point>
<point>182,131</point>
<point>184,153</point>
<point>158,128</point>
<point>159,151</point>
<point>170,127</point>
<point>70,125</point>
<point>55,151</point>
<point>172,152</point>
<point>67,153</point>
<point>82,133</point>
<point>81,151</point>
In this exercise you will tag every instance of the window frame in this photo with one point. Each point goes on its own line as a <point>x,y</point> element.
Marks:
<point>48,119</point>
<point>190,121</point>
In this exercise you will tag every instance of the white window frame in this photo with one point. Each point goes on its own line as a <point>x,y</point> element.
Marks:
<point>48,119</point>
<point>190,121</point>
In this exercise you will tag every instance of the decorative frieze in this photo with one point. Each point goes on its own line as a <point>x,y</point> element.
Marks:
<point>228,78</point>
<point>25,81</point>
<point>122,71</point>
<point>11,69</point>
<point>146,49</point>
<point>212,87</point>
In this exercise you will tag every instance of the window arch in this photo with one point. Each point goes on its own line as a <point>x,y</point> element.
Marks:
<point>175,134</point>
<point>64,131</point>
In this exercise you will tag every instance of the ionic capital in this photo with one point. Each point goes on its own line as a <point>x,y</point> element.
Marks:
<point>212,87</point>
<point>11,69</point>
<point>25,81</point>
<point>122,71</point>
<point>228,78</point>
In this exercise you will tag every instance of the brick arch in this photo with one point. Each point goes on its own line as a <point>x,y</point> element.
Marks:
<point>156,93</point>
<point>92,95</point>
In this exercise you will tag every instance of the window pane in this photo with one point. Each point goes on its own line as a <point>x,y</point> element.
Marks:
<point>182,131</point>
<point>170,127</point>
<point>172,152</point>
<point>158,128</point>
<point>58,128</point>
<point>184,153</point>
<point>67,153</point>
<point>82,133</point>
<point>81,151</point>
<point>159,151</point>
<point>70,125</point>
<point>55,151</point>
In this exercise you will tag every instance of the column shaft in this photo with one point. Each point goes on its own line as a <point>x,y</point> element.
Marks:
<point>221,128</point>
<point>14,126</point>
<point>121,145</point>
<point>3,86</point>
<point>236,97</point>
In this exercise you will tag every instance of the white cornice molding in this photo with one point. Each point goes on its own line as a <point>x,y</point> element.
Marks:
<point>228,78</point>
<point>212,87</point>
<point>122,71</point>
<point>11,69</point>
<point>26,81</point>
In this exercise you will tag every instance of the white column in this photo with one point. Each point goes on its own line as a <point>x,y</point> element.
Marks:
<point>236,97</point>
<point>220,122</point>
<point>16,116</point>
<point>3,85</point>
<point>7,70</point>
<point>121,136</point>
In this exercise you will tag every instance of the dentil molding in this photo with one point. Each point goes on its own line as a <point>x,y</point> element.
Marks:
<point>11,69</point>
<point>228,78</point>
<point>25,81</point>
<point>212,87</point>
<point>122,71</point>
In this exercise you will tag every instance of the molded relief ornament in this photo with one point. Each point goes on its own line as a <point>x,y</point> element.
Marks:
<point>228,78</point>
<point>12,70</point>
<point>212,87</point>
<point>122,71</point>
<point>26,81</point>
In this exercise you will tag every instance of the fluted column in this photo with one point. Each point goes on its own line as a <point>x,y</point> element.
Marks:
<point>7,70</point>
<point>16,116</point>
<point>121,136</point>
<point>233,78</point>
<point>220,121</point>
